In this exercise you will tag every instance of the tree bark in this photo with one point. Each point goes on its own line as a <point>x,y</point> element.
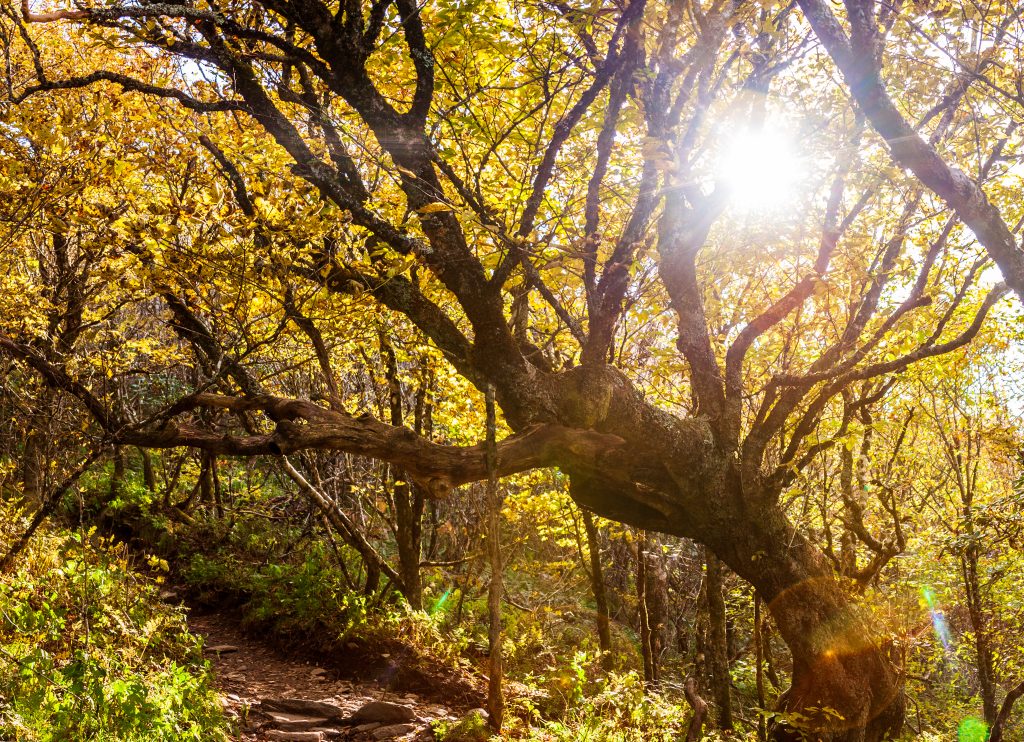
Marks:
<point>495,700</point>
<point>976,614</point>
<point>1004,712</point>
<point>408,520</point>
<point>657,587</point>
<point>646,652</point>
<point>206,479</point>
<point>218,492</point>
<point>844,686</point>
<point>148,474</point>
<point>408,498</point>
<point>718,651</point>
<point>762,728</point>
<point>597,585</point>
<point>117,475</point>
<point>700,710</point>
<point>969,560</point>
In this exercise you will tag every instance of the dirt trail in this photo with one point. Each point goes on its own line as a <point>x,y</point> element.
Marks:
<point>251,675</point>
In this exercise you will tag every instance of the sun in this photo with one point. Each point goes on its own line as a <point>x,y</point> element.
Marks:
<point>760,167</point>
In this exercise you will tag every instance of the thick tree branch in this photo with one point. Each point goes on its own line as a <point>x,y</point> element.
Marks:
<point>1004,712</point>
<point>132,85</point>
<point>303,425</point>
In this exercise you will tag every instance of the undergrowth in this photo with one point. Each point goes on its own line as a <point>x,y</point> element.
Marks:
<point>287,582</point>
<point>89,652</point>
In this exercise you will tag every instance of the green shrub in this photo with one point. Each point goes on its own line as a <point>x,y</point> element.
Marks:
<point>90,653</point>
<point>598,706</point>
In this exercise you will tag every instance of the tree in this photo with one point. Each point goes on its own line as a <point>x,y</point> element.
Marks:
<point>972,488</point>
<point>532,193</point>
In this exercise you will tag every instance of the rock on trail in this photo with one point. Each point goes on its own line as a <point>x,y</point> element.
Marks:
<point>274,697</point>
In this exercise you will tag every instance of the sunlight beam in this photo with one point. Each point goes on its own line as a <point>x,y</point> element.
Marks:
<point>760,167</point>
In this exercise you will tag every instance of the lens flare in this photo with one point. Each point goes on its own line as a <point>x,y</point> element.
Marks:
<point>938,619</point>
<point>439,604</point>
<point>972,730</point>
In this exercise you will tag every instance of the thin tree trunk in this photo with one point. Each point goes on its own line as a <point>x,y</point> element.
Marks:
<point>718,650</point>
<point>171,484</point>
<point>205,479</point>
<point>769,657</point>
<point>148,475</point>
<point>372,579</point>
<point>408,498</point>
<point>495,701</point>
<point>694,732</point>
<point>656,600</point>
<point>604,633</point>
<point>117,476</point>
<point>976,614</point>
<point>347,529</point>
<point>408,519</point>
<point>641,602</point>
<point>218,498</point>
<point>762,728</point>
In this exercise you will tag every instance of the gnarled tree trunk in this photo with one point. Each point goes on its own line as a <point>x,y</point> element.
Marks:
<point>670,476</point>
<point>844,688</point>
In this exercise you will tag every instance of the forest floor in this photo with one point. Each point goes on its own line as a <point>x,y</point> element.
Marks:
<point>266,690</point>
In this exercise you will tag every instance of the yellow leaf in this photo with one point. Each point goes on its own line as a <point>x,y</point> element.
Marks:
<point>433,208</point>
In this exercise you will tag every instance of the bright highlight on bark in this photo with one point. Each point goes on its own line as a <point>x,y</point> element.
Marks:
<point>760,166</point>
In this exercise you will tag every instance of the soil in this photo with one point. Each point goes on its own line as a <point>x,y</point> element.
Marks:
<point>249,669</point>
